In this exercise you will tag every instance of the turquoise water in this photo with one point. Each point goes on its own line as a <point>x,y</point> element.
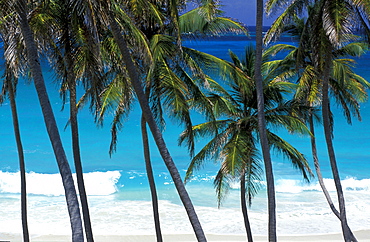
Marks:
<point>117,185</point>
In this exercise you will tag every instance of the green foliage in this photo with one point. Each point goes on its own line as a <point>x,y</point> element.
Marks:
<point>234,134</point>
<point>207,20</point>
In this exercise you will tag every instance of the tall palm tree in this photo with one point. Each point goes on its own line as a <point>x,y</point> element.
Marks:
<point>9,84</point>
<point>13,69</point>
<point>331,25</point>
<point>168,83</point>
<point>73,59</point>
<point>262,125</point>
<point>22,168</point>
<point>108,14</point>
<point>21,9</point>
<point>234,135</point>
<point>348,88</point>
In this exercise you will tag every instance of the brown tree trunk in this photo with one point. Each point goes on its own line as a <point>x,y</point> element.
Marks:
<point>22,168</point>
<point>243,204</point>
<point>318,170</point>
<point>262,126</point>
<point>348,236</point>
<point>319,175</point>
<point>149,172</point>
<point>71,79</point>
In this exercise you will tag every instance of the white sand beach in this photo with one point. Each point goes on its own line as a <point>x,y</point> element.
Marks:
<point>363,236</point>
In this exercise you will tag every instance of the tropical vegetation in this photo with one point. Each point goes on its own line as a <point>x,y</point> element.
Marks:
<point>234,131</point>
<point>120,52</point>
<point>331,21</point>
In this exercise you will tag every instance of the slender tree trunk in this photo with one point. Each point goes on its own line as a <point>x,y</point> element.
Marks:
<point>149,172</point>
<point>78,164</point>
<point>262,126</point>
<point>243,204</point>
<point>22,168</point>
<point>319,175</point>
<point>71,79</point>
<point>51,126</point>
<point>135,80</point>
<point>318,170</point>
<point>348,236</point>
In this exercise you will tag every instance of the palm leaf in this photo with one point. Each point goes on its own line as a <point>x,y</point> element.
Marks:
<point>298,160</point>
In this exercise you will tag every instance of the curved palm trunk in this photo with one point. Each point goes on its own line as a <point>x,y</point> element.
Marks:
<point>262,126</point>
<point>76,144</point>
<point>132,72</point>
<point>78,164</point>
<point>318,170</point>
<point>319,175</point>
<point>244,209</point>
<point>348,236</point>
<point>51,126</point>
<point>149,172</point>
<point>22,169</point>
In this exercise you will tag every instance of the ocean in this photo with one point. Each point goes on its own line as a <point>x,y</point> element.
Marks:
<point>117,186</point>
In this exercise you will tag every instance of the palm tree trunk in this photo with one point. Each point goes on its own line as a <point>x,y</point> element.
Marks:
<point>22,169</point>
<point>348,236</point>
<point>76,143</point>
<point>262,126</point>
<point>318,170</point>
<point>149,172</point>
<point>78,164</point>
<point>319,175</point>
<point>51,126</point>
<point>244,209</point>
<point>157,135</point>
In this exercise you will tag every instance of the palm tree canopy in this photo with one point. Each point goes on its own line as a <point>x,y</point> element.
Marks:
<point>234,134</point>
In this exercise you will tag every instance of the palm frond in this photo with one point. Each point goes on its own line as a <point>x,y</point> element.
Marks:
<point>253,177</point>
<point>205,21</point>
<point>354,49</point>
<point>294,8</point>
<point>222,185</point>
<point>336,22</point>
<point>217,66</point>
<point>209,152</point>
<point>298,160</point>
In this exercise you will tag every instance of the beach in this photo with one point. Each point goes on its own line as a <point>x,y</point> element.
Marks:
<point>363,236</point>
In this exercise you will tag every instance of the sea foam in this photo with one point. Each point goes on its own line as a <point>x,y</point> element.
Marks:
<point>296,186</point>
<point>96,183</point>
<point>118,209</point>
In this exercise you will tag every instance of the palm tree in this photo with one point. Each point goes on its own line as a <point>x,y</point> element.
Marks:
<point>22,169</point>
<point>108,14</point>
<point>69,46</point>
<point>168,83</point>
<point>73,59</point>
<point>262,125</point>
<point>9,88</point>
<point>12,70</point>
<point>234,137</point>
<point>346,87</point>
<point>21,8</point>
<point>320,74</point>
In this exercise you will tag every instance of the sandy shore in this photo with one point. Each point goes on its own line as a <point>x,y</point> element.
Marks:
<point>363,236</point>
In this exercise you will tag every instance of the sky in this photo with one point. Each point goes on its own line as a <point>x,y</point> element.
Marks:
<point>243,11</point>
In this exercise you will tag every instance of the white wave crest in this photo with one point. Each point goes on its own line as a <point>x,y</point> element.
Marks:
<point>96,183</point>
<point>297,186</point>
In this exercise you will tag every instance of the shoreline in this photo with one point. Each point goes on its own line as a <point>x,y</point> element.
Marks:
<point>361,235</point>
